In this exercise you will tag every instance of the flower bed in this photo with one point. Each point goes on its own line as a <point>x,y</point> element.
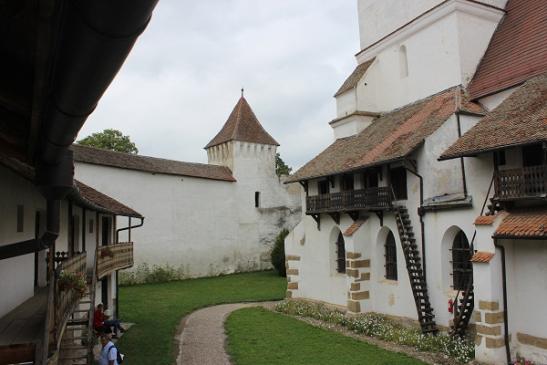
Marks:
<point>378,326</point>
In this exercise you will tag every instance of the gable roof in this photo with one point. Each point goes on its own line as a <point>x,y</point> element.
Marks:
<point>81,193</point>
<point>242,125</point>
<point>153,165</point>
<point>390,137</point>
<point>517,50</point>
<point>354,77</point>
<point>520,119</point>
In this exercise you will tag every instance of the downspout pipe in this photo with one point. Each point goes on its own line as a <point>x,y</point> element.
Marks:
<point>505,306</point>
<point>128,227</point>
<point>421,213</point>
<point>462,163</point>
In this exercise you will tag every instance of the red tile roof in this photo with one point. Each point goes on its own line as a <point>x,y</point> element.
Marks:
<point>354,227</point>
<point>482,257</point>
<point>520,119</point>
<point>354,77</point>
<point>530,223</point>
<point>104,201</point>
<point>81,193</point>
<point>242,125</point>
<point>485,220</point>
<point>517,50</point>
<point>390,137</point>
<point>153,165</point>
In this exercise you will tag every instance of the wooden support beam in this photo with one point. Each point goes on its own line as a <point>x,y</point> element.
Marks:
<point>336,217</point>
<point>20,248</point>
<point>380,215</point>
<point>317,219</point>
<point>354,215</point>
<point>15,354</point>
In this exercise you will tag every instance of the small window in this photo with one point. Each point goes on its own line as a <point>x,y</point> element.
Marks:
<point>370,179</point>
<point>257,199</point>
<point>500,158</point>
<point>398,183</point>
<point>347,182</point>
<point>20,218</point>
<point>462,269</point>
<point>90,225</point>
<point>403,62</point>
<point>391,257</point>
<point>340,254</point>
<point>532,155</point>
<point>323,187</point>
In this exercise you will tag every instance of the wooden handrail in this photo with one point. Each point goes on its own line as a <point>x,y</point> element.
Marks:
<point>114,257</point>
<point>524,182</point>
<point>371,198</point>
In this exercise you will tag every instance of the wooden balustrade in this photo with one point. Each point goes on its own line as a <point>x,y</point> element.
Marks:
<point>371,198</point>
<point>67,294</point>
<point>521,183</point>
<point>114,257</point>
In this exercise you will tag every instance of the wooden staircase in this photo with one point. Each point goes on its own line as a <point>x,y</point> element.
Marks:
<point>415,271</point>
<point>78,339</point>
<point>463,311</point>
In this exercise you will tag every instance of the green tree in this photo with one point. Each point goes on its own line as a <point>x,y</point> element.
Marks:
<point>110,139</point>
<point>281,168</point>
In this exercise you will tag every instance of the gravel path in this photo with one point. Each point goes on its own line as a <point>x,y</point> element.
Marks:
<point>202,339</point>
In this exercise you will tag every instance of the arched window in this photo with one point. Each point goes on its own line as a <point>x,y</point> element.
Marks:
<point>462,269</point>
<point>340,254</point>
<point>391,257</point>
<point>403,61</point>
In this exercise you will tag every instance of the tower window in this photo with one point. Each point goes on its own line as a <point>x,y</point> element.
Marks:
<point>257,199</point>
<point>20,218</point>
<point>391,257</point>
<point>403,61</point>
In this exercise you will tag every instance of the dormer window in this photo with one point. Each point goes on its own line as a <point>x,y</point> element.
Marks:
<point>403,62</point>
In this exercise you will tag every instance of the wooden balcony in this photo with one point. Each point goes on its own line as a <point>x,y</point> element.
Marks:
<point>347,201</point>
<point>522,183</point>
<point>114,257</point>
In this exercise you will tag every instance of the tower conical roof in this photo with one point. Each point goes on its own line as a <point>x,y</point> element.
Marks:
<point>242,125</point>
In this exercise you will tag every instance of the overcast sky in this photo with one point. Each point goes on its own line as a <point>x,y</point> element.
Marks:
<point>184,76</point>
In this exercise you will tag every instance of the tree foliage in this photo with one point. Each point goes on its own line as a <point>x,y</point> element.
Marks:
<point>281,168</point>
<point>110,139</point>
<point>278,253</point>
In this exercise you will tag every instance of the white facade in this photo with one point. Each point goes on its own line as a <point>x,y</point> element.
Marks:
<point>205,227</point>
<point>421,48</point>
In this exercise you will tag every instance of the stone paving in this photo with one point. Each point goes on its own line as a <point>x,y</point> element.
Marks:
<point>202,340</point>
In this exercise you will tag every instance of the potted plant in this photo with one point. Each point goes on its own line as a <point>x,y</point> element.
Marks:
<point>72,281</point>
<point>106,252</point>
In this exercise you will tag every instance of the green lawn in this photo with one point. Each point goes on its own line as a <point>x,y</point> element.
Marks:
<point>257,336</point>
<point>158,308</point>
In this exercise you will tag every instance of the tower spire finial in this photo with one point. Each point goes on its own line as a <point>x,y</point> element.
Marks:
<point>242,91</point>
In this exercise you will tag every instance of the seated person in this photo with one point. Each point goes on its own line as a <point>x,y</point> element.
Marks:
<point>102,324</point>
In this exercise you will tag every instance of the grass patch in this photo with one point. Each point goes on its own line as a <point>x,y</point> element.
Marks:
<point>258,336</point>
<point>158,308</point>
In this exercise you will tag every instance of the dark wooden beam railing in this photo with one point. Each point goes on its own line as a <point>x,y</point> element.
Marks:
<point>371,199</point>
<point>521,183</point>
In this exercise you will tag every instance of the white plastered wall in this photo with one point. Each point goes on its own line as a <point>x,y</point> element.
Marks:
<point>17,284</point>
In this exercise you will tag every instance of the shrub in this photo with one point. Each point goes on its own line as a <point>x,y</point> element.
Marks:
<point>278,253</point>
<point>143,274</point>
<point>379,326</point>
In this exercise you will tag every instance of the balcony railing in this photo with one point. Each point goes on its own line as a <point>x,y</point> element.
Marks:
<point>71,275</point>
<point>366,199</point>
<point>114,257</point>
<point>521,183</point>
